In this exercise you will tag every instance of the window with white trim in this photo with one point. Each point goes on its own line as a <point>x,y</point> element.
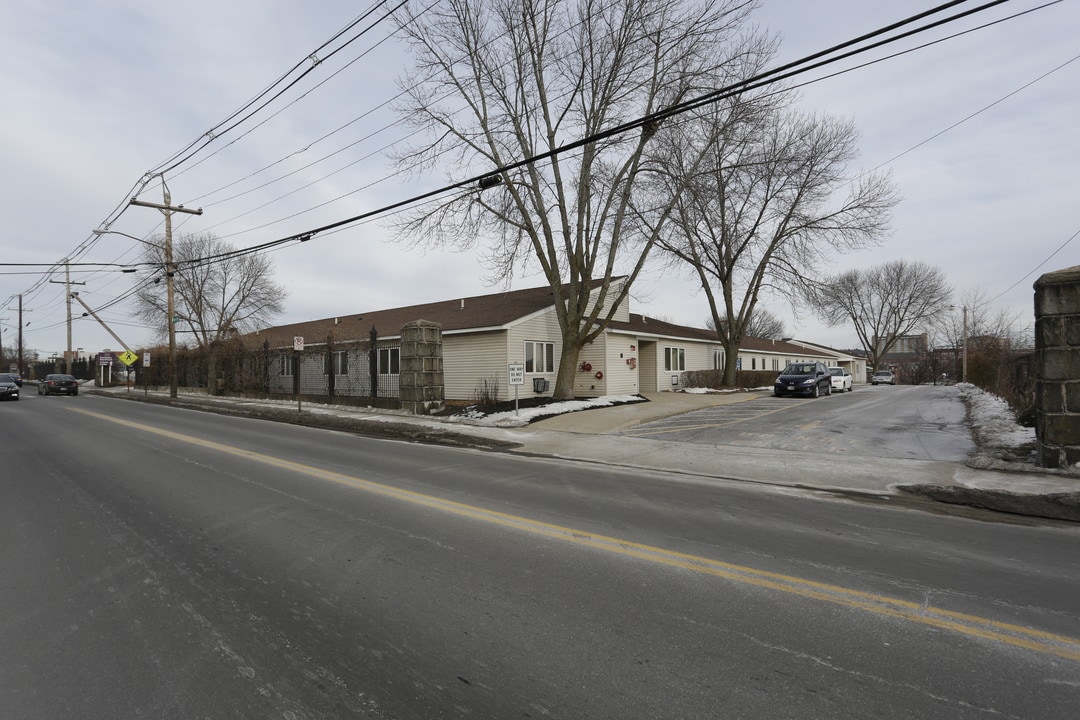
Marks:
<point>674,359</point>
<point>719,359</point>
<point>390,361</point>
<point>338,363</point>
<point>539,357</point>
<point>286,363</point>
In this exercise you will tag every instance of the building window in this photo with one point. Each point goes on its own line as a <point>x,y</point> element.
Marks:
<point>539,357</point>
<point>389,361</point>
<point>719,359</point>
<point>674,359</point>
<point>286,364</point>
<point>337,363</point>
<point>753,363</point>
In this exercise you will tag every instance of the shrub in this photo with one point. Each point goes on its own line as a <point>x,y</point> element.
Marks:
<point>714,379</point>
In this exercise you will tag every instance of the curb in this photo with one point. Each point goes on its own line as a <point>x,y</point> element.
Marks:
<point>1056,506</point>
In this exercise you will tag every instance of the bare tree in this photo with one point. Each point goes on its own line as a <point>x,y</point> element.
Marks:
<point>973,316</point>
<point>763,324</point>
<point>217,294</point>
<point>983,341</point>
<point>499,81</point>
<point>762,213</point>
<point>884,303</point>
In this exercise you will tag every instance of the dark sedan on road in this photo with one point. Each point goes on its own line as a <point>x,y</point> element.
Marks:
<point>804,378</point>
<point>58,385</point>
<point>9,389</point>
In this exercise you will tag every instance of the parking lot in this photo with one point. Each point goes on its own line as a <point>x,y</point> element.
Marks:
<point>902,422</point>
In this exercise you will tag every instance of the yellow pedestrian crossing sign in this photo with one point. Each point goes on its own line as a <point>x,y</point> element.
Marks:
<point>128,358</point>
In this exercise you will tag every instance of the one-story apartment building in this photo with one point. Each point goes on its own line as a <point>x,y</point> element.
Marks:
<point>484,334</point>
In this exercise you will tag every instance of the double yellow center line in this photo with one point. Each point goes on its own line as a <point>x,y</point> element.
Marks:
<point>970,625</point>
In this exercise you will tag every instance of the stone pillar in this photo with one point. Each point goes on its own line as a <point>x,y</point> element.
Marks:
<point>1057,367</point>
<point>420,381</point>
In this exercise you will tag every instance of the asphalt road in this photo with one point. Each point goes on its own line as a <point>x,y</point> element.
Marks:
<point>157,562</point>
<point>889,421</point>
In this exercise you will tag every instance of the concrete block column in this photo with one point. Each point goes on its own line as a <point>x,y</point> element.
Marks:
<point>421,385</point>
<point>1057,367</point>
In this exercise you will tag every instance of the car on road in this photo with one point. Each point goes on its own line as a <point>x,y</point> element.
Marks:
<point>841,379</point>
<point>803,378</point>
<point>9,389</point>
<point>58,385</point>
<point>16,377</point>
<point>883,377</point>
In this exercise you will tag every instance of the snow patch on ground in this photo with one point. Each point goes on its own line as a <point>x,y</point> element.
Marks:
<point>993,420</point>
<point>524,416</point>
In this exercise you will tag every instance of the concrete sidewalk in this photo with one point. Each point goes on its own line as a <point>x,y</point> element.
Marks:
<point>591,436</point>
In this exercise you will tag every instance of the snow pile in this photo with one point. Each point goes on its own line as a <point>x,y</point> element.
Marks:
<point>992,420</point>
<point>526,415</point>
<point>712,391</point>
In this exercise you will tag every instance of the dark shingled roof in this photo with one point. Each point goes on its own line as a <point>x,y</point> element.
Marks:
<point>477,312</point>
<point>642,325</point>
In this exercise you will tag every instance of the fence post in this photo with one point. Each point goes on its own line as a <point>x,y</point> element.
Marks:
<point>1057,367</point>
<point>421,388</point>
<point>330,367</point>
<point>373,361</point>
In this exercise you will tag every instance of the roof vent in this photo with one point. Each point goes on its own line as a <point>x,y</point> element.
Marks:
<point>337,321</point>
<point>462,303</point>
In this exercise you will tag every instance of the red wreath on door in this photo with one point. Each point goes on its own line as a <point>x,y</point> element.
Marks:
<point>599,375</point>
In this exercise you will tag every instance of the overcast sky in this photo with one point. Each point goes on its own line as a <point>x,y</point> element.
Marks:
<point>98,93</point>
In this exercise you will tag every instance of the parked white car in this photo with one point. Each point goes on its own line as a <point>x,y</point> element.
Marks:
<point>841,380</point>
<point>883,377</point>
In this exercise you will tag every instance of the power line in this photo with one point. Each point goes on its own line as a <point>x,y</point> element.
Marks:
<point>762,80</point>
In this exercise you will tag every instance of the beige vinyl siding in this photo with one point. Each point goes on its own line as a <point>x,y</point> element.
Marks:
<point>469,359</point>
<point>543,327</point>
<point>586,384</point>
<point>622,312</point>
<point>648,375</point>
<point>621,379</point>
<point>698,357</point>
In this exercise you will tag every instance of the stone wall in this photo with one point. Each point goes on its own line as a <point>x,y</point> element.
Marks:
<point>1057,367</point>
<point>421,384</point>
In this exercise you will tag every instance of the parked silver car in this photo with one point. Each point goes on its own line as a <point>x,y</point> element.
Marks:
<point>883,377</point>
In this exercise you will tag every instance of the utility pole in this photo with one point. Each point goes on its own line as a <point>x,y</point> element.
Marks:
<point>2,344</point>
<point>167,210</point>
<point>67,294</point>
<point>101,322</point>
<point>964,370</point>
<point>18,360</point>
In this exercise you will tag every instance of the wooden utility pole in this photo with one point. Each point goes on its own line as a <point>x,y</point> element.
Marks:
<point>67,294</point>
<point>167,210</point>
